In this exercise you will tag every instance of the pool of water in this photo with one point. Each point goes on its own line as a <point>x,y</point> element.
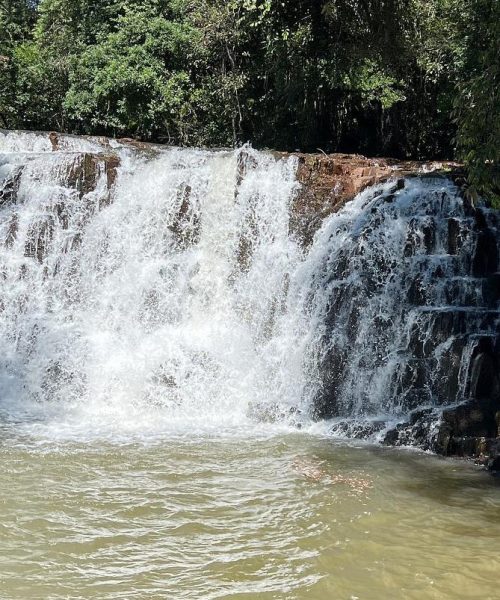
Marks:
<point>260,516</point>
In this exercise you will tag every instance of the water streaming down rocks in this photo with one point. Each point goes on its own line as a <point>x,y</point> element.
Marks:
<point>407,289</point>
<point>146,285</point>
<point>141,283</point>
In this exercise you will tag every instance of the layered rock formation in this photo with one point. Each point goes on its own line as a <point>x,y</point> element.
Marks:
<point>413,313</point>
<point>329,181</point>
<point>470,324</point>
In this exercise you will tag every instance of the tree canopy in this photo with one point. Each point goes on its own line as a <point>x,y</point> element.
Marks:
<point>407,78</point>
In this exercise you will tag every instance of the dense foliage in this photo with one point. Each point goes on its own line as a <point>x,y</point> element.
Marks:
<point>415,78</point>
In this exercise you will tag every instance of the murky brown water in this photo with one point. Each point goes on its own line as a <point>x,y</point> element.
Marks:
<point>290,516</point>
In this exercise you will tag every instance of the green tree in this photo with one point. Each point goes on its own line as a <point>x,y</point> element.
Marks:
<point>134,79</point>
<point>478,103</point>
<point>394,77</point>
<point>16,21</point>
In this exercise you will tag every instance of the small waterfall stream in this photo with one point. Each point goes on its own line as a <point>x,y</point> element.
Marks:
<point>406,292</point>
<point>163,288</point>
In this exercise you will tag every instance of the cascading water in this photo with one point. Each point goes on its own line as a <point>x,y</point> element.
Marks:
<point>163,289</point>
<point>406,294</point>
<point>167,326</point>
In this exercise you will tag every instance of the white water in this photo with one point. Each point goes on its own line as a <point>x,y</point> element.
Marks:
<point>174,305</point>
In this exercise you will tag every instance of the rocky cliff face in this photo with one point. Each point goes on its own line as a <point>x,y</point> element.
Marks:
<point>329,181</point>
<point>465,332</point>
<point>451,364</point>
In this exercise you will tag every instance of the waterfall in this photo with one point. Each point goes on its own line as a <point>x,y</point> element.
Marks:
<point>162,288</point>
<point>406,296</point>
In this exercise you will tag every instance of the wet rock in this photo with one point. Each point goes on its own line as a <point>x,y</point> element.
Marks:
<point>421,236</point>
<point>472,428</point>
<point>333,368</point>
<point>493,462</point>
<point>86,170</point>
<point>491,290</point>
<point>246,162</point>
<point>38,239</point>
<point>454,231</point>
<point>54,141</point>
<point>444,372</point>
<point>485,259</point>
<point>435,326</point>
<point>485,371</point>
<point>418,431</point>
<point>469,429</point>
<point>12,231</point>
<point>417,291</point>
<point>358,429</point>
<point>471,419</point>
<point>10,187</point>
<point>185,226</point>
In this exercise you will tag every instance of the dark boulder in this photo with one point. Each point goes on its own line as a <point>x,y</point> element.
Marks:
<point>10,186</point>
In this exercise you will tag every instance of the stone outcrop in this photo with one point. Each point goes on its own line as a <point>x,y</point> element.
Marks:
<point>468,315</point>
<point>329,181</point>
<point>471,427</point>
<point>468,428</point>
<point>10,187</point>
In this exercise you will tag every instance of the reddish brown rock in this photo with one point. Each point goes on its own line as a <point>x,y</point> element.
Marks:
<point>329,181</point>
<point>86,169</point>
<point>54,140</point>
